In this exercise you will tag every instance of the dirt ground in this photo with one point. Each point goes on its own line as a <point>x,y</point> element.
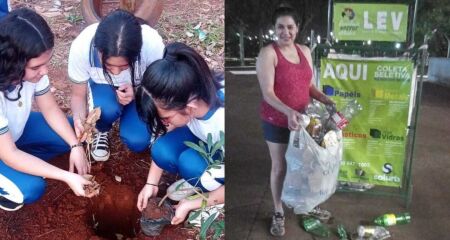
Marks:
<point>59,214</point>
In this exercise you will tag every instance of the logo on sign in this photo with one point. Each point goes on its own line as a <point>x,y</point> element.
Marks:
<point>387,168</point>
<point>330,91</point>
<point>387,135</point>
<point>348,13</point>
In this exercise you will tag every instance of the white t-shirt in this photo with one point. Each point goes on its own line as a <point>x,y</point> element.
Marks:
<point>214,124</point>
<point>84,62</point>
<point>14,114</point>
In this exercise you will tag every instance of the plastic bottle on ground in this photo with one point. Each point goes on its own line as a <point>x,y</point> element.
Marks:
<point>391,219</point>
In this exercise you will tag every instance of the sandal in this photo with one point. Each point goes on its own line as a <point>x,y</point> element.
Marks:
<point>277,226</point>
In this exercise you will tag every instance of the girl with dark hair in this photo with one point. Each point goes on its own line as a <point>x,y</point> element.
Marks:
<point>182,100</point>
<point>28,139</point>
<point>284,70</point>
<point>107,60</point>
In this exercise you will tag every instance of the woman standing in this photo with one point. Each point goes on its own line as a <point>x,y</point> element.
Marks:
<point>28,139</point>
<point>107,60</point>
<point>284,71</point>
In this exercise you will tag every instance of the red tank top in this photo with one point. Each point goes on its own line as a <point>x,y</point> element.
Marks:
<point>291,86</point>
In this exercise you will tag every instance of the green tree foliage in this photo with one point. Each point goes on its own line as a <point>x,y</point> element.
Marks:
<point>433,14</point>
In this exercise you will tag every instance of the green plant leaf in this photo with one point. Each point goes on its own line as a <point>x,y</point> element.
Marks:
<point>209,142</point>
<point>195,147</point>
<point>219,226</point>
<point>210,160</point>
<point>204,203</point>
<point>206,225</point>
<point>194,215</point>
<point>179,186</point>
<point>222,138</point>
<point>216,147</point>
<point>193,197</point>
<point>202,145</point>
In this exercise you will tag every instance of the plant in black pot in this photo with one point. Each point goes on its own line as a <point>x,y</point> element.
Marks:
<point>159,212</point>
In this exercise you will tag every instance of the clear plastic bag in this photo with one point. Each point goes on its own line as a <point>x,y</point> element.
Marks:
<point>312,171</point>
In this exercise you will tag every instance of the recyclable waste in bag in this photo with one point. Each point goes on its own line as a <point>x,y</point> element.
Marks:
<point>312,171</point>
<point>314,155</point>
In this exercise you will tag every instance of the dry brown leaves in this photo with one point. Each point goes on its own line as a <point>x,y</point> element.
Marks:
<point>93,189</point>
<point>89,125</point>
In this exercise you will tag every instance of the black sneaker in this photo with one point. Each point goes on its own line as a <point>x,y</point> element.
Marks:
<point>9,205</point>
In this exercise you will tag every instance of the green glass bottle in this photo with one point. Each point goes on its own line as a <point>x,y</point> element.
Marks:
<point>315,227</point>
<point>342,233</point>
<point>391,219</point>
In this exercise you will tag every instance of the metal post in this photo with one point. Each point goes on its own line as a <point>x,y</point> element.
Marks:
<point>330,21</point>
<point>414,21</point>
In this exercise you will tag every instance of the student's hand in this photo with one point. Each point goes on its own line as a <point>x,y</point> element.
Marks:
<point>79,161</point>
<point>125,94</point>
<point>76,183</point>
<point>147,192</point>
<point>78,125</point>
<point>293,120</point>
<point>182,210</point>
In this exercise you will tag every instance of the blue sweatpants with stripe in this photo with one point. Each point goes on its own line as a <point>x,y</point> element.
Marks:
<point>171,154</point>
<point>39,140</point>
<point>133,131</point>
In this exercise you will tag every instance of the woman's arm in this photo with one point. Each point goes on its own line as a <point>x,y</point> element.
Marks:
<point>78,106</point>
<point>154,174</point>
<point>151,187</point>
<point>318,95</point>
<point>265,70</point>
<point>59,123</point>
<point>27,163</point>
<point>185,206</point>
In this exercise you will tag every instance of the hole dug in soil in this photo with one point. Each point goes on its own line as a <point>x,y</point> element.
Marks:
<point>154,218</point>
<point>114,212</point>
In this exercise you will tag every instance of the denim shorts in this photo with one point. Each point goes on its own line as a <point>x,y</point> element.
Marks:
<point>275,134</point>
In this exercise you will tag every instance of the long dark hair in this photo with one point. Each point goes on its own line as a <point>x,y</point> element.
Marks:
<point>119,34</point>
<point>12,64</point>
<point>285,10</point>
<point>30,34</point>
<point>179,77</point>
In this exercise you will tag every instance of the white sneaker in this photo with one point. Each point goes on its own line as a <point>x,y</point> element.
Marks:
<point>11,198</point>
<point>9,205</point>
<point>100,147</point>
<point>179,190</point>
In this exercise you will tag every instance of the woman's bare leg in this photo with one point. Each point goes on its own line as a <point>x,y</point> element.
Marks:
<point>278,172</point>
